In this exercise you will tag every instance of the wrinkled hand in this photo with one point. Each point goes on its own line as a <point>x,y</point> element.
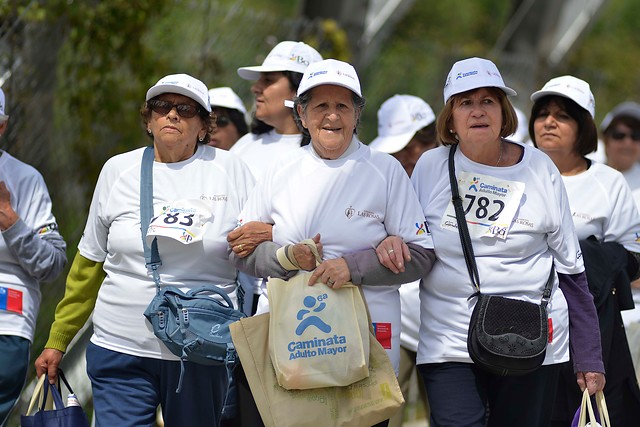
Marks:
<point>244,240</point>
<point>393,252</point>
<point>594,381</point>
<point>8,216</point>
<point>334,273</point>
<point>303,255</point>
<point>48,362</point>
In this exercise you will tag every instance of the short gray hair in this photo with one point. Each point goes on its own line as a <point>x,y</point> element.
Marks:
<point>305,98</point>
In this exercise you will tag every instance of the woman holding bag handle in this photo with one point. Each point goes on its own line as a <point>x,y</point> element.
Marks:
<point>344,195</point>
<point>198,192</point>
<point>607,223</point>
<point>514,254</point>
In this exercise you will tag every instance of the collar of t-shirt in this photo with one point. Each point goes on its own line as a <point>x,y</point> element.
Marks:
<point>353,147</point>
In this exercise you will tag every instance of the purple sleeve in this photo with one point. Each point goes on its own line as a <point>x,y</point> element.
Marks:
<point>584,329</point>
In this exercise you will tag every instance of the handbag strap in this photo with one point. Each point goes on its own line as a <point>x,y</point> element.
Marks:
<point>465,239</point>
<point>151,254</point>
<point>463,230</point>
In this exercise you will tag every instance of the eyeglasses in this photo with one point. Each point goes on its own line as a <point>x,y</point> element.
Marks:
<point>619,135</point>
<point>186,111</point>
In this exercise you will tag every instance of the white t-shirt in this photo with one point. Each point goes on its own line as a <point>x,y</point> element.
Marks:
<point>20,300</point>
<point>602,206</point>
<point>354,202</point>
<point>259,152</point>
<point>216,182</point>
<point>633,179</point>
<point>410,305</point>
<point>540,232</point>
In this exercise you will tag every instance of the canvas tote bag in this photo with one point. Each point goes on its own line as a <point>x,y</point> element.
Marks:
<point>318,336</point>
<point>362,404</point>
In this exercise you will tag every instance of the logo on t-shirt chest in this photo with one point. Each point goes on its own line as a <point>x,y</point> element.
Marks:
<point>351,212</point>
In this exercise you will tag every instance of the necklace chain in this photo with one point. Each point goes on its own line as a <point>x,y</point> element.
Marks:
<point>500,157</point>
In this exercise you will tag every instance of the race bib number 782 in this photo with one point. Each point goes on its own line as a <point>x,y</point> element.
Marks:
<point>490,205</point>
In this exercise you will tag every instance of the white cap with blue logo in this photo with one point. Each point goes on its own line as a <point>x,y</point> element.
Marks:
<point>473,73</point>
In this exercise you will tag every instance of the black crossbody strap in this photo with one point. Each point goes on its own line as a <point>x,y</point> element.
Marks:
<point>463,230</point>
<point>465,240</point>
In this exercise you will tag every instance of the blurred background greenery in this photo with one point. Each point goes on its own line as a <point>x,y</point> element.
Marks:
<point>75,72</point>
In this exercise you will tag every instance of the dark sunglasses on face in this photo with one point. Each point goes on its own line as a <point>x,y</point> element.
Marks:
<point>222,121</point>
<point>163,107</point>
<point>619,135</point>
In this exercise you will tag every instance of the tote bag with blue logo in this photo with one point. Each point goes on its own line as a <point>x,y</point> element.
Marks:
<point>318,336</point>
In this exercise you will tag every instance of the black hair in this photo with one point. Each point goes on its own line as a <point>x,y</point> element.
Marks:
<point>587,138</point>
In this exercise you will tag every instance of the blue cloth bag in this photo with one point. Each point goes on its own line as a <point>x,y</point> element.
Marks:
<point>59,415</point>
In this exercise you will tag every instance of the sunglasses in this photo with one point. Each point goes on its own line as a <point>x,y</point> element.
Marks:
<point>619,135</point>
<point>222,121</point>
<point>186,111</point>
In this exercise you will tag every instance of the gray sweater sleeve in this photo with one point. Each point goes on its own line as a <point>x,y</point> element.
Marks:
<point>42,257</point>
<point>365,268</point>
<point>262,262</point>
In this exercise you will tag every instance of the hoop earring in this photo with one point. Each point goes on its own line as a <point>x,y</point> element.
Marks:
<point>149,131</point>
<point>201,139</point>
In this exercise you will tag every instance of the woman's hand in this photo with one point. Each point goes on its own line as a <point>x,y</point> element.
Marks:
<point>393,252</point>
<point>334,273</point>
<point>303,255</point>
<point>48,362</point>
<point>244,240</point>
<point>8,216</point>
<point>594,381</point>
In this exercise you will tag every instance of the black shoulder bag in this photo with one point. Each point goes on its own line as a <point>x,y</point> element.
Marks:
<point>194,325</point>
<point>506,336</point>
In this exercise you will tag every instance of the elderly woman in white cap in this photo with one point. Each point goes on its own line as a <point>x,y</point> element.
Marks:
<point>31,251</point>
<point>620,131</point>
<point>345,196</point>
<point>406,129</point>
<point>230,114</point>
<point>274,133</point>
<point>517,233</point>
<point>195,187</point>
<point>607,224</point>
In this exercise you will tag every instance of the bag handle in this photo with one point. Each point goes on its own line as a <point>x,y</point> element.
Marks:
<point>465,239</point>
<point>587,407</point>
<point>37,398</point>
<point>288,261</point>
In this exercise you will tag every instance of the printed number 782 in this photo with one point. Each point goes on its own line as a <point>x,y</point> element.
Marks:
<point>482,209</point>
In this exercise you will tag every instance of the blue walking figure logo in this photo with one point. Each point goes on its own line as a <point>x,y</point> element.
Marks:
<point>309,302</point>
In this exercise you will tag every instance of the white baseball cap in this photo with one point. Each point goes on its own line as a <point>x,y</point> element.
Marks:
<point>473,73</point>
<point>626,109</point>
<point>569,87</point>
<point>182,84</point>
<point>399,118</point>
<point>3,117</point>
<point>285,56</point>
<point>330,72</point>
<point>227,98</point>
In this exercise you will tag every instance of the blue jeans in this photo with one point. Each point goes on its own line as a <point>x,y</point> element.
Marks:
<point>127,390</point>
<point>14,359</point>
<point>462,395</point>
